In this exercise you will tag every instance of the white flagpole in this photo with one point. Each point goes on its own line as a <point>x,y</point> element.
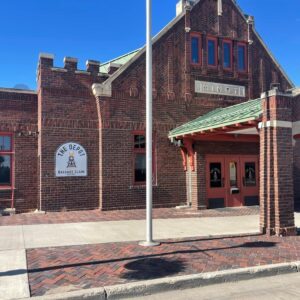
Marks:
<point>149,235</point>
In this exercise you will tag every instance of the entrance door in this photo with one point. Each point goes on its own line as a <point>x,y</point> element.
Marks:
<point>233,181</point>
<point>250,178</point>
<point>215,183</point>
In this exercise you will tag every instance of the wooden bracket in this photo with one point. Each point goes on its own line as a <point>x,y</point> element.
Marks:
<point>183,155</point>
<point>191,153</point>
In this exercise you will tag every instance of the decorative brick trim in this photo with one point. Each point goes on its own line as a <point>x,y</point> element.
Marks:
<point>275,124</point>
<point>69,123</point>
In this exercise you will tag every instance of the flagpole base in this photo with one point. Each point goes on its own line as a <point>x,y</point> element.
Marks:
<point>149,244</point>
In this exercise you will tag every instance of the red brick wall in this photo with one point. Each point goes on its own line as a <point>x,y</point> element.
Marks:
<point>174,103</point>
<point>67,113</point>
<point>18,115</point>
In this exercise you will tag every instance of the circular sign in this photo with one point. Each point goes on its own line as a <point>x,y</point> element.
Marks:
<point>70,160</point>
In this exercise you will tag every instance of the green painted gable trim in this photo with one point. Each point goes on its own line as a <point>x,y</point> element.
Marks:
<point>122,60</point>
<point>239,113</point>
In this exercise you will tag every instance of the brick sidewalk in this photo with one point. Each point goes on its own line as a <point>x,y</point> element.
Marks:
<point>61,269</point>
<point>138,214</point>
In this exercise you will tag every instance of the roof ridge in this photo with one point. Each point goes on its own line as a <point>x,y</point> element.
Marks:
<point>119,57</point>
<point>171,24</point>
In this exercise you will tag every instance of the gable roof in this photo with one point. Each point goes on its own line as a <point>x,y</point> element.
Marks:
<point>231,115</point>
<point>122,60</point>
<point>142,50</point>
<point>170,25</point>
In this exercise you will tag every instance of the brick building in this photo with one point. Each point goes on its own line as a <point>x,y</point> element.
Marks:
<point>226,125</point>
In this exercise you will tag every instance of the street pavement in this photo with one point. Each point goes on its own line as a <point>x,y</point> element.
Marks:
<point>281,287</point>
<point>14,240</point>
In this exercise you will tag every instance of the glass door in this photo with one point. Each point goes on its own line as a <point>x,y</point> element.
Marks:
<point>215,181</point>
<point>250,178</point>
<point>233,181</point>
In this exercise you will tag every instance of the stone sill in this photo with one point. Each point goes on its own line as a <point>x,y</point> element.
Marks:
<point>141,187</point>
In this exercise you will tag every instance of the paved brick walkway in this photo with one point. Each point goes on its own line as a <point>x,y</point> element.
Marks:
<point>138,214</point>
<point>69,268</point>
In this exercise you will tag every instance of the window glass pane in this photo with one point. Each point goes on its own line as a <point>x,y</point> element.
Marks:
<point>195,50</point>
<point>250,175</point>
<point>211,53</point>
<point>5,165</point>
<point>140,168</point>
<point>139,141</point>
<point>226,55</point>
<point>233,174</point>
<point>215,175</point>
<point>241,58</point>
<point>5,143</point>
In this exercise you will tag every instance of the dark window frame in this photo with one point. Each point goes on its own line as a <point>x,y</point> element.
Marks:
<point>10,153</point>
<point>137,151</point>
<point>229,42</point>
<point>244,45</point>
<point>215,40</point>
<point>199,37</point>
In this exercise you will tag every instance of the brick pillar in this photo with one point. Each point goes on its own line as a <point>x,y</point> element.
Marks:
<point>276,165</point>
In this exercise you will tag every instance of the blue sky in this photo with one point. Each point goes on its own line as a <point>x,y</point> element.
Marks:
<point>103,29</point>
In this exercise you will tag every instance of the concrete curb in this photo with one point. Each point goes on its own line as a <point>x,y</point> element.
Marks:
<point>142,288</point>
<point>87,294</point>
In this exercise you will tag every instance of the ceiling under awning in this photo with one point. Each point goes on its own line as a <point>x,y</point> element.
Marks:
<point>229,119</point>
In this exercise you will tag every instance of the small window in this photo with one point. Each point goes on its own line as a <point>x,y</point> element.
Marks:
<point>140,159</point>
<point>6,157</point>
<point>242,59</point>
<point>140,167</point>
<point>212,52</point>
<point>139,142</point>
<point>233,174</point>
<point>5,170</point>
<point>5,143</point>
<point>250,174</point>
<point>227,55</point>
<point>195,53</point>
<point>215,175</point>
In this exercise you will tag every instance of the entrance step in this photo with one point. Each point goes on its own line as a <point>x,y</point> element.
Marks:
<point>7,212</point>
<point>185,206</point>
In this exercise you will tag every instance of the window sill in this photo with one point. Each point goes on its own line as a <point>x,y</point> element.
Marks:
<point>6,188</point>
<point>141,187</point>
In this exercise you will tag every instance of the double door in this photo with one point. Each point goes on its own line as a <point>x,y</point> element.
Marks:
<point>231,180</point>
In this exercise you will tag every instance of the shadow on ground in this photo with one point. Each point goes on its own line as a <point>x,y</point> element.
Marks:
<point>151,268</point>
<point>155,265</point>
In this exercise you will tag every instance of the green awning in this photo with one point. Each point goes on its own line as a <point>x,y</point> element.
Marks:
<point>239,113</point>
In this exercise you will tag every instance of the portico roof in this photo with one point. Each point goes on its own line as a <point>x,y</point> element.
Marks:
<point>231,117</point>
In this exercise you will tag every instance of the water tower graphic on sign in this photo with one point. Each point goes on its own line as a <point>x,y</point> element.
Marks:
<point>71,161</point>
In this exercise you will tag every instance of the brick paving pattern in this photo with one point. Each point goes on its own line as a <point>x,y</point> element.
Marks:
<point>79,267</point>
<point>138,214</point>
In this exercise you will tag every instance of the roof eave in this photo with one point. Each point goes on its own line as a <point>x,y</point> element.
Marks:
<point>265,46</point>
<point>212,127</point>
<point>170,25</point>
<point>143,49</point>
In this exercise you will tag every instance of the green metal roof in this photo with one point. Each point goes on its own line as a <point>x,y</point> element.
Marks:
<point>119,60</point>
<point>239,113</point>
